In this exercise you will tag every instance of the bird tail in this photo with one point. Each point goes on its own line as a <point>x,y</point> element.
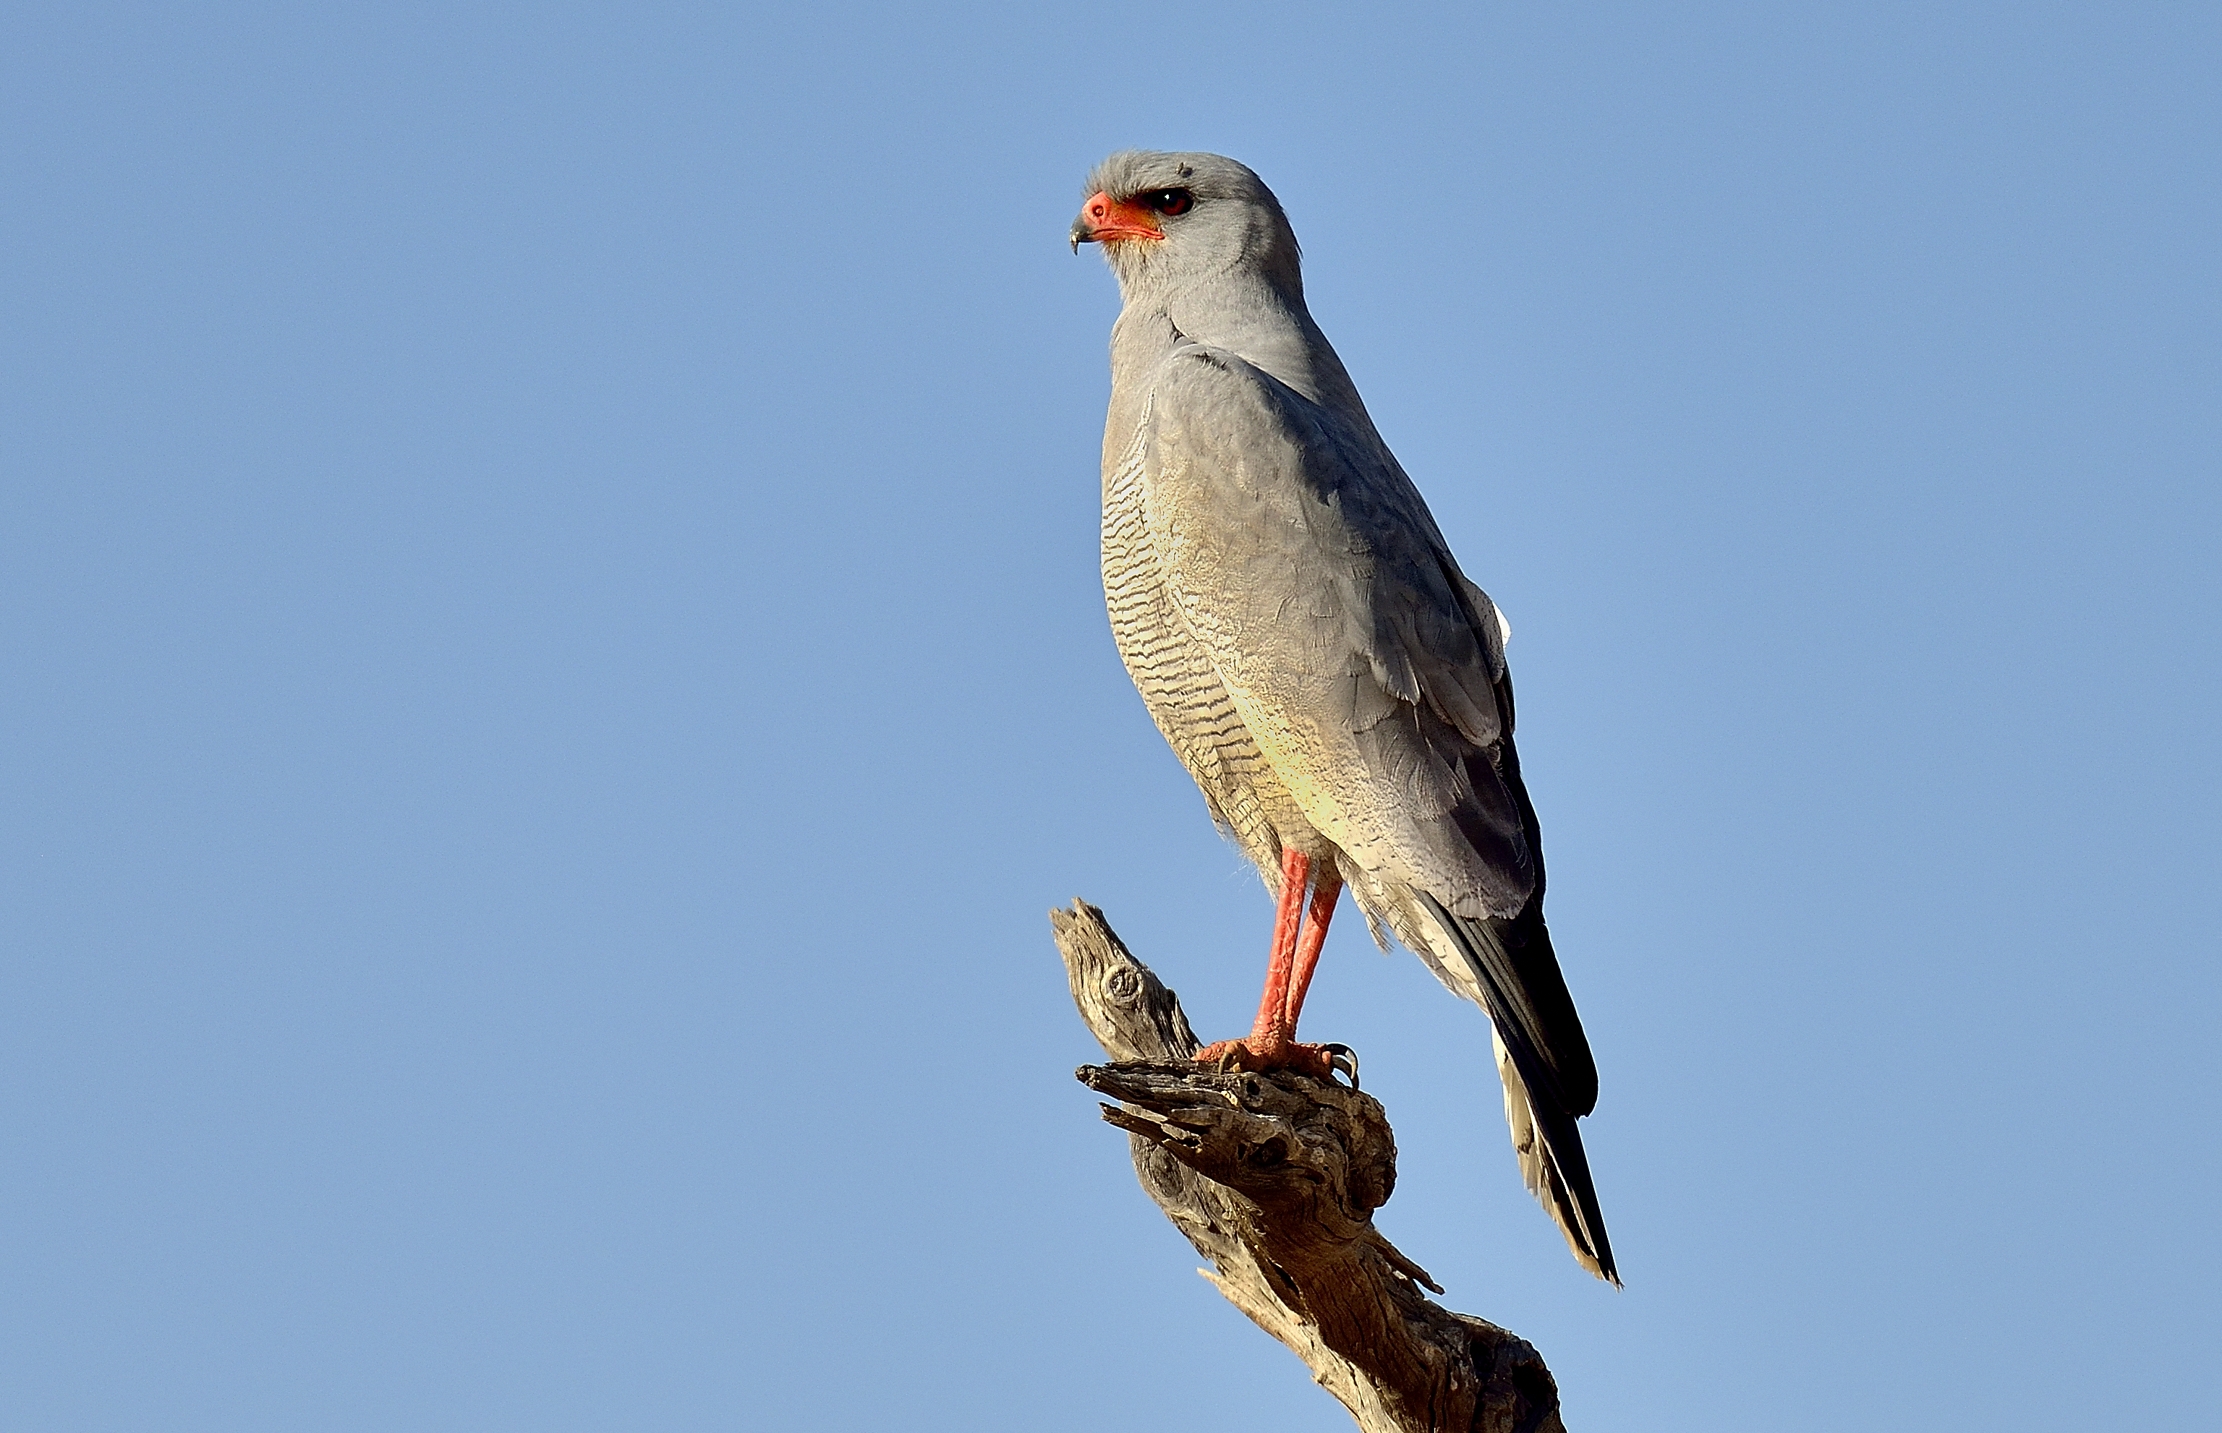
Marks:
<point>1556,1168</point>
<point>1544,1089</point>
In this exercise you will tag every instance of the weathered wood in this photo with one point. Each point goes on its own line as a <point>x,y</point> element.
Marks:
<point>1274,1177</point>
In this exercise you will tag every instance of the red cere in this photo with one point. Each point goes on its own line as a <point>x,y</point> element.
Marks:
<point>1109,219</point>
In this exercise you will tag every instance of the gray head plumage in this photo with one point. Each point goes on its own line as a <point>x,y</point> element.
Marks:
<point>1234,223</point>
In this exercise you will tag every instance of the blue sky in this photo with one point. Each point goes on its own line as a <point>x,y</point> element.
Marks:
<point>547,577</point>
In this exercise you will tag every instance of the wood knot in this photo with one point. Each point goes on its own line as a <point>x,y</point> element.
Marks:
<point>1122,985</point>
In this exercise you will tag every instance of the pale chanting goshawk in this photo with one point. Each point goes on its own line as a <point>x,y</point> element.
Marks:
<point>1303,637</point>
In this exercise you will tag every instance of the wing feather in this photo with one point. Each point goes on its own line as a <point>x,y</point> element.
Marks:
<point>1371,675</point>
<point>1368,669</point>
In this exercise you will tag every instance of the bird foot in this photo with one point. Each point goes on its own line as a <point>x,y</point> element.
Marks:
<point>1254,1053</point>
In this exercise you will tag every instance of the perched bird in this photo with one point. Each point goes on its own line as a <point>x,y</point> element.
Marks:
<point>1303,637</point>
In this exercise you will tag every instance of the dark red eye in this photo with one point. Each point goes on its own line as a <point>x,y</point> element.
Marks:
<point>1173,202</point>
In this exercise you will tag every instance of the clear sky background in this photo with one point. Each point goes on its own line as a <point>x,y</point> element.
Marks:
<point>554,664</point>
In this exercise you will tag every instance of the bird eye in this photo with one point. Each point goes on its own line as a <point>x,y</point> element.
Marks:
<point>1172,202</point>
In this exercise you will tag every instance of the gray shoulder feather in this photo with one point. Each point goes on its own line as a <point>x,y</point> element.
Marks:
<point>1371,671</point>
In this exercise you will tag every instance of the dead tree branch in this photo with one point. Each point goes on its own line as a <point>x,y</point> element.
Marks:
<point>1274,1178</point>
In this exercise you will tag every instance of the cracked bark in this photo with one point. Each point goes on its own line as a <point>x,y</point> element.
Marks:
<point>1274,1178</point>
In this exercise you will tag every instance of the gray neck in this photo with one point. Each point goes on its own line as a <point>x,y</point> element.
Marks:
<point>1260,321</point>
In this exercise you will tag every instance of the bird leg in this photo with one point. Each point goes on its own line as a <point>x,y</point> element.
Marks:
<point>1325,890</point>
<point>1271,1043</point>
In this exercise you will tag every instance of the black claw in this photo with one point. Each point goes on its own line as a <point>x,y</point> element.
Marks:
<point>1342,1057</point>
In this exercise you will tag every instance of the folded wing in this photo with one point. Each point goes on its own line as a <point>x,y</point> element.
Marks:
<point>1371,673</point>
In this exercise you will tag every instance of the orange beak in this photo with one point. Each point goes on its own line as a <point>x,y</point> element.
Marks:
<point>1104,220</point>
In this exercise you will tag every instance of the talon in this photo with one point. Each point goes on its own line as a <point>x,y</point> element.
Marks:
<point>1223,1055</point>
<point>1284,1054</point>
<point>1342,1057</point>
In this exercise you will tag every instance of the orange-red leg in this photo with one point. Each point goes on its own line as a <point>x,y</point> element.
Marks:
<point>1288,975</point>
<point>1325,891</point>
<point>1288,915</point>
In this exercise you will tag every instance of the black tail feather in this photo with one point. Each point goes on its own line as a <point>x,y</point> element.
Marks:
<point>1551,1076</point>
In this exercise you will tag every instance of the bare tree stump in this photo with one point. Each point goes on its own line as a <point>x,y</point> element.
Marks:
<point>1274,1178</point>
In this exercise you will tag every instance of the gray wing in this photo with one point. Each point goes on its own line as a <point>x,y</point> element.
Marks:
<point>1369,670</point>
<point>1371,674</point>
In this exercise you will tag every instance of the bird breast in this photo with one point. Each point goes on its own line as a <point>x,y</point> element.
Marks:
<point>1178,683</point>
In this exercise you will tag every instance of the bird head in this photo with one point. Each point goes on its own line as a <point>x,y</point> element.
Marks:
<point>1169,221</point>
